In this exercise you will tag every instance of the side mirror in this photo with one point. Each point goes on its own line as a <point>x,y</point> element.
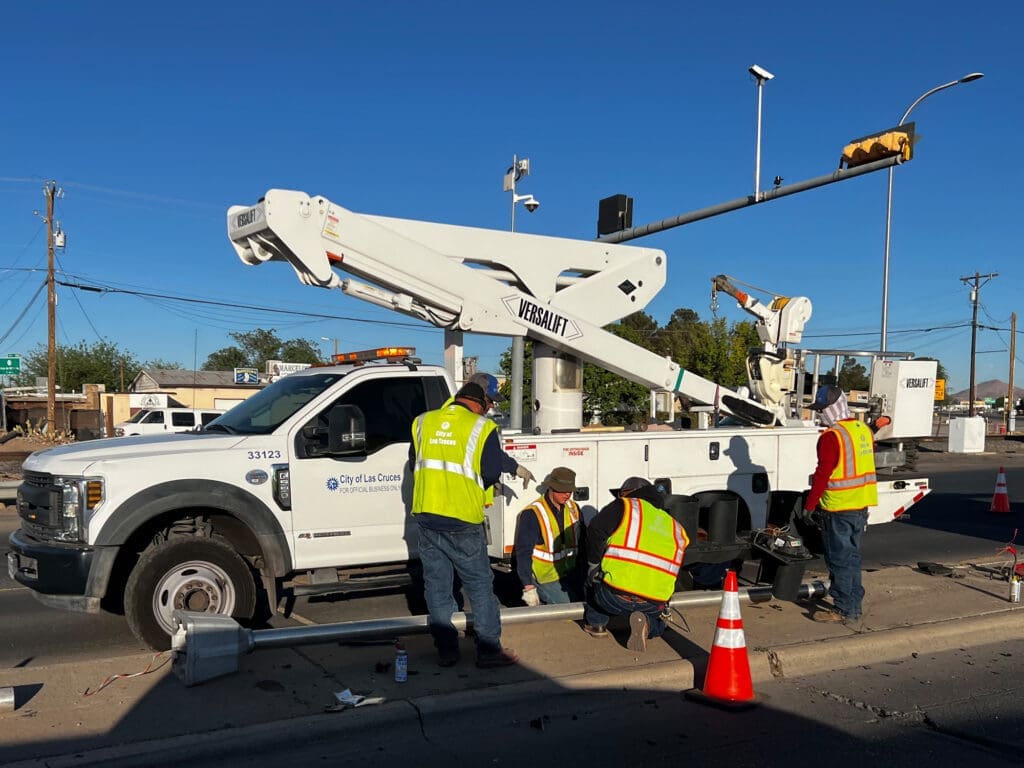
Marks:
<point>346,431</point>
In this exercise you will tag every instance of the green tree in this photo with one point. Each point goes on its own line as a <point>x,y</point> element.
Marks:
<point>252,349</point>
<point>853,375</point>
<point>100,363</point>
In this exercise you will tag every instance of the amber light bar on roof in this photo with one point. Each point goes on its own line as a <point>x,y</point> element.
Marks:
<point>380,353</point>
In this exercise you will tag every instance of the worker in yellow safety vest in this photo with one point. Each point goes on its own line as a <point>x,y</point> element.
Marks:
<point>456,457</point>
<point>634,552</point>
<point>843,487</point>
<point>547,541</point>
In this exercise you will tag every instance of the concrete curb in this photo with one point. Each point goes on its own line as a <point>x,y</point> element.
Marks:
<point>803,659</point>
<point>783,662</point>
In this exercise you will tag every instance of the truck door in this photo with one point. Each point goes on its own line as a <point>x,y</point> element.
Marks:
<point>354,510</point>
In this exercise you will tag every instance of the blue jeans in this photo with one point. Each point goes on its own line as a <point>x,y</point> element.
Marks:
<point>559,592</point>
<point>605,602</point>
<point>442,554</point>
<point>843,531</point>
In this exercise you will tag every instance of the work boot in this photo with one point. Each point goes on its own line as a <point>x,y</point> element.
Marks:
<point>637,632</point>
<point>593,631</point>
<point>826,616</point>
<point>503,658</point>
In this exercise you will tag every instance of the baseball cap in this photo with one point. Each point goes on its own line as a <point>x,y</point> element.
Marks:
<point>471,391</point>
<point>629,485</point>
<point>489,385</point>
<point>826,396</point>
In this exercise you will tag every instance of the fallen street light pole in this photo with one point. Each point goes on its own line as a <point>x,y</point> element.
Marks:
<point>209,645</point>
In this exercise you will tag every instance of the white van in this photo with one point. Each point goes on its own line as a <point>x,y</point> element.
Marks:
<point>161,421</point>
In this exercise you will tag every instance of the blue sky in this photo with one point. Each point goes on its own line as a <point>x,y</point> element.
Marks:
<point>155,118</point>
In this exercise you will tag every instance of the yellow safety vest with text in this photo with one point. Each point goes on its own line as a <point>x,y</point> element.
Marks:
<point>852,484</point>
<point>645,552</point>
<point>556,555</point>
<point>449,443</point>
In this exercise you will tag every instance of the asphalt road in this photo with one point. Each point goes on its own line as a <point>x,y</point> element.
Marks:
<point>952,525</point>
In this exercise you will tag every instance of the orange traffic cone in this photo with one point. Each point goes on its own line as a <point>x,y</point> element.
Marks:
<point>1000,500</point>
<point>727,682</point>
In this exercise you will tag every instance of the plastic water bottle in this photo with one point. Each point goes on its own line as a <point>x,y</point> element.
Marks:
<point>1014,589</point>
<point>401,664</point>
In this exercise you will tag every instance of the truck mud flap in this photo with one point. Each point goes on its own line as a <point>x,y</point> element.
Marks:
<point>895,497</point>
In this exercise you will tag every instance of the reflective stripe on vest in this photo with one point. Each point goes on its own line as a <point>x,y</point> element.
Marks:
<point>645,552</point>
<point>555,556</point>
<point>448,443</point>
<point>852,484</point>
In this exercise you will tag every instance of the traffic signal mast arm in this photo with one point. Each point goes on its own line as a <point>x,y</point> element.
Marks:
<point>556,291</point>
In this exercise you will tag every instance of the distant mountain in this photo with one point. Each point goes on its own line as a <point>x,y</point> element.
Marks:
<point>990,388</point>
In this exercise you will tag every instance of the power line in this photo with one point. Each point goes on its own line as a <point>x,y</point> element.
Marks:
<point>211,302</point>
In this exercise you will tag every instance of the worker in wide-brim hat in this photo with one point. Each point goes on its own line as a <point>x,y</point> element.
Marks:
<point>547,541</point>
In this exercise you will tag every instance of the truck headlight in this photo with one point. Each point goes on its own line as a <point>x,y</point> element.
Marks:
<point>79,498</point>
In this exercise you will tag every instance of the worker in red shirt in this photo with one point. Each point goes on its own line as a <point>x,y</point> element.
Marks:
<point>842,488</point>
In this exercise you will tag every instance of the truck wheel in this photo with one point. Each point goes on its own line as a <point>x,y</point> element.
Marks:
<point>203,575</point>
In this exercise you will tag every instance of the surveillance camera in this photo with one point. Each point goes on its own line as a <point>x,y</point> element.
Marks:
<point>532,204</point>
<point>760,72</point>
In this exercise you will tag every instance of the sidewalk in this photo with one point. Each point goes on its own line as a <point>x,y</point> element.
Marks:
<point>283,693</point>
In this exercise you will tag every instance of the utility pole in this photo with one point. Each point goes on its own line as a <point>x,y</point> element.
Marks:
<point>50,190</point>
<point>975,282</point>
<point>1011,401</point>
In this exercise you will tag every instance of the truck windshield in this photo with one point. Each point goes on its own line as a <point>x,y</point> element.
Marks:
<point>265,411</point>
<point>138,417</point>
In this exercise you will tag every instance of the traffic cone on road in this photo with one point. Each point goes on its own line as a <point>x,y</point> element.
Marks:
<point>727,682</point>
<point>1000,499</point>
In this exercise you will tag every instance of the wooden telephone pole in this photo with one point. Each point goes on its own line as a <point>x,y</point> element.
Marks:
<point>975,282</point>
<point>50,190</point>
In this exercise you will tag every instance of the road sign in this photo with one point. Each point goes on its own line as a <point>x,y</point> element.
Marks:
<point>940,389</point>
<point>10,365</point>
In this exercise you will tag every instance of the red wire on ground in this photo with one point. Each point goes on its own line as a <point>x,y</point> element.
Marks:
<point>150,668</point>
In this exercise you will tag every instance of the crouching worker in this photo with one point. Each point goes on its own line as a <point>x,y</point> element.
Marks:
<point>634,551</point>
<point>547,540</point>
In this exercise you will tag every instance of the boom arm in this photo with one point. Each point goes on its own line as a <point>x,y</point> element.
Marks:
<point>554,290</point>
<point>778,324</point>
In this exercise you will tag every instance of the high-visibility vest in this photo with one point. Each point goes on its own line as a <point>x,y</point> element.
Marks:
<point>852,484</point>
<point>555,556</point>
<point>449,443</point>
<point>645,552</point>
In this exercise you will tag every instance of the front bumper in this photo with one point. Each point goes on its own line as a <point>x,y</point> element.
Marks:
<point>69,576</point>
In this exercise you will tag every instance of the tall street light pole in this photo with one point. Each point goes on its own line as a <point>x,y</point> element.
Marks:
<point>888,203</point>
<point>762,76</point>
<point>520,167</point>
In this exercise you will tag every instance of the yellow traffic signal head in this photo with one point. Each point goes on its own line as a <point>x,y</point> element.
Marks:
<point>877,146</point>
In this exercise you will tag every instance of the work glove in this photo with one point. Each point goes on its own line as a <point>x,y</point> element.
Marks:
<point>594,574</point>
<point>526,476</point>
<point>530,596</point>
<point>805,516</point>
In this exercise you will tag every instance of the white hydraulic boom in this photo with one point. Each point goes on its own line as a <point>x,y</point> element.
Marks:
<point>556,291</point>
<point>772,371</point>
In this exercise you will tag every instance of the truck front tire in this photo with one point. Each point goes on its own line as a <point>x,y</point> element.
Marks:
<point>204,575</point>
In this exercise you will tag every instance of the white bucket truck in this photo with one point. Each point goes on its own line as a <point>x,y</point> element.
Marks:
<point>305,487</point>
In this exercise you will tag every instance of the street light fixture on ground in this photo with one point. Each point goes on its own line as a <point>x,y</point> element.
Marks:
<point>888,204</point>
